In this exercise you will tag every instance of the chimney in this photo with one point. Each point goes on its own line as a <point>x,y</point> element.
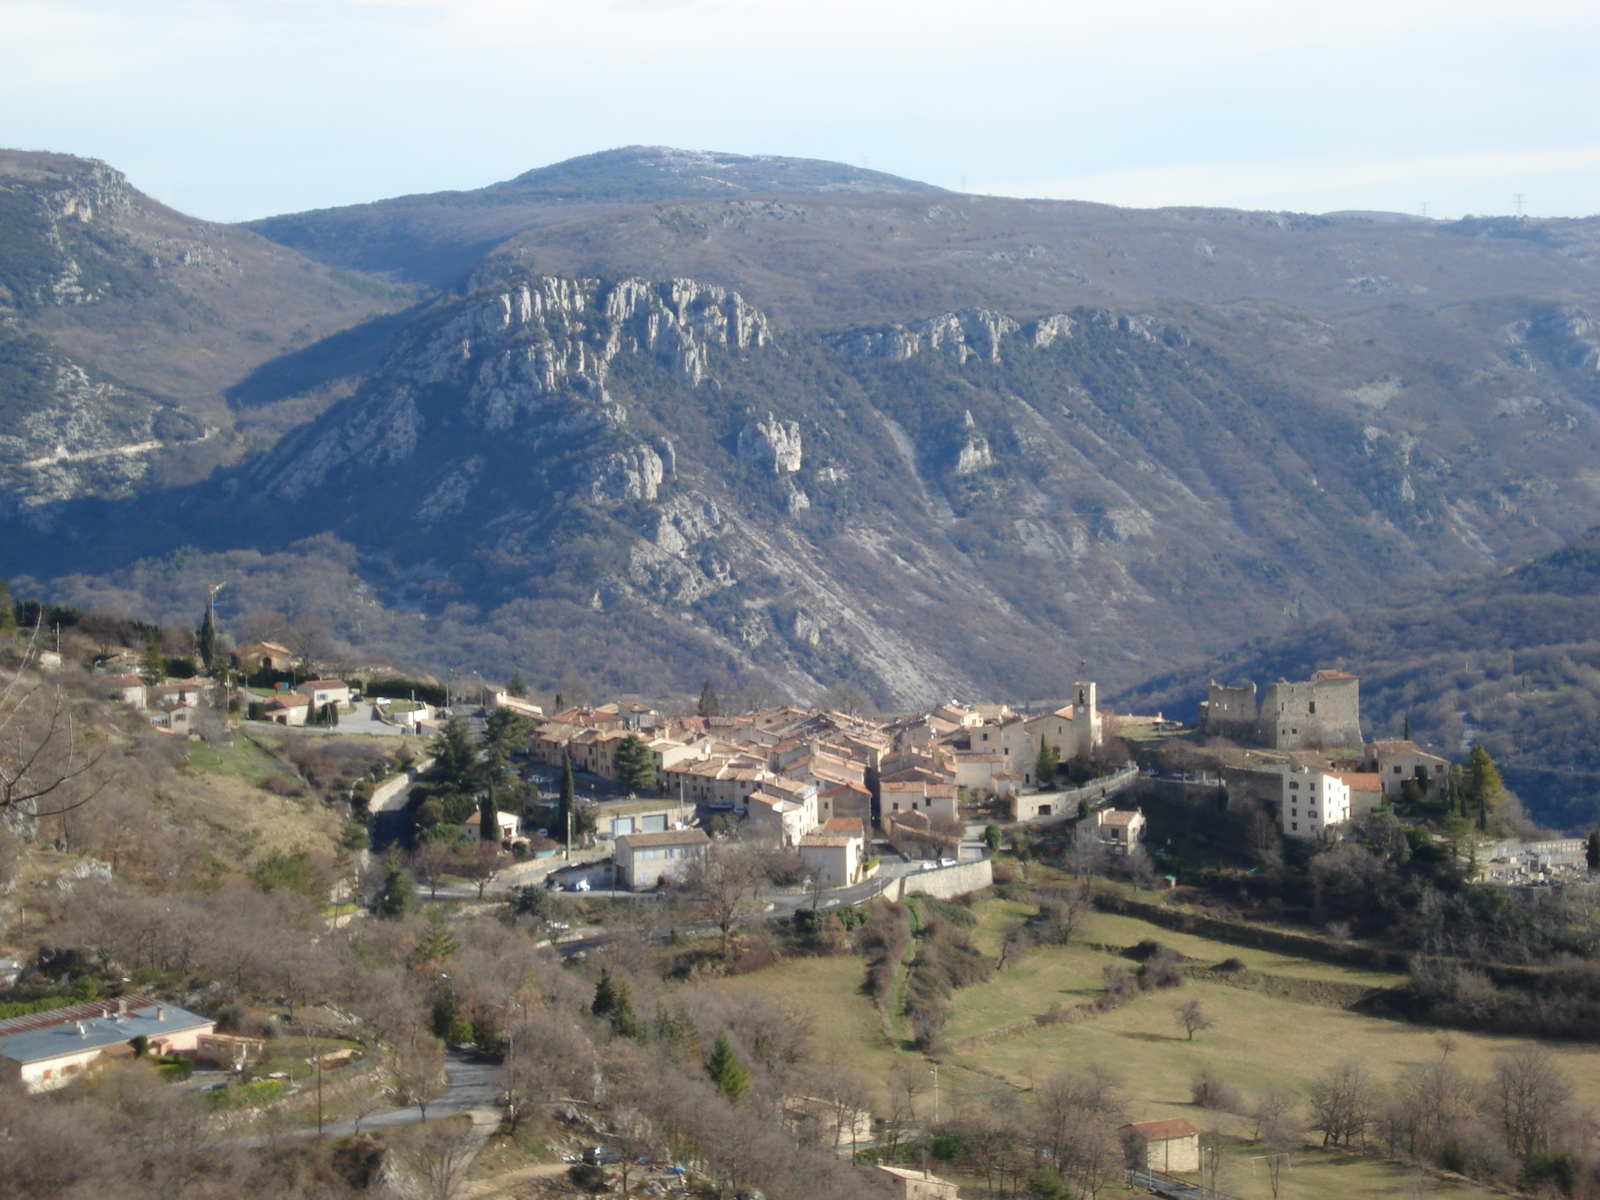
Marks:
<point>161,1013</point>
<point>81,1031</point>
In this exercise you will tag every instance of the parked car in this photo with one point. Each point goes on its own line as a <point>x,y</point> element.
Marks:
<point>597,1155</point>
<point>947,862</point>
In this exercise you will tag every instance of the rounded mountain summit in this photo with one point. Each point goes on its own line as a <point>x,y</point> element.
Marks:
<point>433,238</point>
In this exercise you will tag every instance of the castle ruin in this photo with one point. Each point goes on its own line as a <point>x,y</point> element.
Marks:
<point>1322,711</point>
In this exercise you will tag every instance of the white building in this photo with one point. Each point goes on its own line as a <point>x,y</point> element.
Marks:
<point>1312,801</point>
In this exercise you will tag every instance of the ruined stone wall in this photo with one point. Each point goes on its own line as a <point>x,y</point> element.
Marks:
<point>1229,711</point>
<point>1300,716</point>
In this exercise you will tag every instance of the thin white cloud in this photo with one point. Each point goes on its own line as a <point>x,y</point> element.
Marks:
<point>1326,184</point>
<point>241,107</point>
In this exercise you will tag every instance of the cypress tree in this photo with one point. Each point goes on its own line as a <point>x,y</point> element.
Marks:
<point>708,706</point>
<point>8,608</point>
<point>1045,767</point>
<point>488,819</point>
<point>206,640</point>
<point>1484,784</point>
<point>1593,853</point>
<point>518,686</point>
<point>730,1075</point>
<point>567,796</point>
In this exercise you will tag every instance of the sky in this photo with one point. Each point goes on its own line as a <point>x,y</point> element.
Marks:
<point>233,109</point>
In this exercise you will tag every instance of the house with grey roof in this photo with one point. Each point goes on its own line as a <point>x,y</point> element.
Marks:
<point>47,1050</point>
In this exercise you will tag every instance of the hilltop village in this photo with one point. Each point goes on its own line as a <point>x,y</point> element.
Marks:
<point>296,891</point>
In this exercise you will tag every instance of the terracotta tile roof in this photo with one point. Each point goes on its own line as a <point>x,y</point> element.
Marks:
<point>1118,816</point>
<point>1361,781</point>
<point>1162,1131</point>
<point>1333,676</point>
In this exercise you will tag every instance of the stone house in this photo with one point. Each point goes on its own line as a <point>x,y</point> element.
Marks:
<point>644,859</point>
<point>125,689</point>
<point>325,691</point>
<point>287,708</point>
<point>908,1184</point>
<point>1171,1146</point>
<point>1399,759</point>
<point>507,823</point>
<point>781,817</point>
<point>264,656</point>
<point>834,858</point>
<point>1119,829</point>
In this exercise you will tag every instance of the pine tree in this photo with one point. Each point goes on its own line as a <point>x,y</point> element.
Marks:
<point>730,1075</point>
<point>455,758</point>
<point>568,790</point>
<point>708,701</point>
<point>398,895</point>
<point>206,640</point>
<point>605,995</point>
<point>636,768</point>
<point>518,686</point>
<point>1484,784</point>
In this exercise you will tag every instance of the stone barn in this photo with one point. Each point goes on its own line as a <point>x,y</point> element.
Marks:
<point>1171,1147</point>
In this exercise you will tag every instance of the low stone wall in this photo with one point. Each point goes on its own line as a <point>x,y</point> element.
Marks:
<point>944,883</point>
<point>1064,805</point>
<point>403,782</point>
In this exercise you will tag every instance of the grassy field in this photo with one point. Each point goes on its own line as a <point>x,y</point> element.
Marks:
<point>1259,1041</point>
<point>242,760</point>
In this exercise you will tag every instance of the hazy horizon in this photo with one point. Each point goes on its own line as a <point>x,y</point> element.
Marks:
<point>235,109</point>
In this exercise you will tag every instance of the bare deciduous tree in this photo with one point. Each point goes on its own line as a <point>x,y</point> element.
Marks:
<point>50,762</point>
<point>1342,1101</point>
<point>1525,1097</point>
<point>1191,1018</point>
<point>725,882</point>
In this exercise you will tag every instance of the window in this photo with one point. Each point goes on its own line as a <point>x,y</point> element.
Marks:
<point>1311,709</point>
<point>1294,812</point>
<point>1312,814</point>
<point>1397,768</point>
<point>1294,787</point>
<point>1295,827</point>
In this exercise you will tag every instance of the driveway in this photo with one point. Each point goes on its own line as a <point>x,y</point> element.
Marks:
<point>474,1086</point>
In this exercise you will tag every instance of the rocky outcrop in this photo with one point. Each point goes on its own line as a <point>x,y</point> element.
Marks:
<point>975,454</point>
<point>964,334</point>
<point>66,433</point>
<point>531,352</point>
<point>632,474</point>
<point>771,444</point>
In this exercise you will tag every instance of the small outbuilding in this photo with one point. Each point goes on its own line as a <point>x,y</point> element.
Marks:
<point>919,1185</point>
<point>1171,1146</point>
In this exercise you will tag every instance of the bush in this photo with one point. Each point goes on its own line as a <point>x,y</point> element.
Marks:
<point>1207,1091</point>
<point>1160,970</point>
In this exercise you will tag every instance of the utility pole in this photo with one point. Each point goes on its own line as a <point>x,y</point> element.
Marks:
<point>935,1093</point>
<point>1519,204</point>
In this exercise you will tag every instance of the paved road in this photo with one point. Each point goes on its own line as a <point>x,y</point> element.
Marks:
<point>475,1085</point>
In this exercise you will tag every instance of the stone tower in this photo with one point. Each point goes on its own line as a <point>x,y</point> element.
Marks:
<point>1085,716</point>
